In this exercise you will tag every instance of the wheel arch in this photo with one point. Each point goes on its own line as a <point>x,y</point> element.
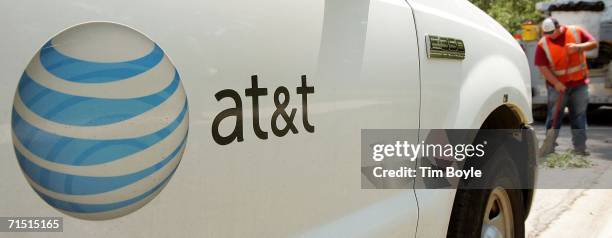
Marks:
<point>509,116</point>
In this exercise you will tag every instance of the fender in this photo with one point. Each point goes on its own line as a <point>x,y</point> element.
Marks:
<point>503,81</point>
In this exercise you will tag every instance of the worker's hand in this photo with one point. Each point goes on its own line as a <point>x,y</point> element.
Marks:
<point>573,48</point>
<point>560,87</point>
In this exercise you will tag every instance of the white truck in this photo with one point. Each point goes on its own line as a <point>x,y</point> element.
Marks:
<point>273,96</point>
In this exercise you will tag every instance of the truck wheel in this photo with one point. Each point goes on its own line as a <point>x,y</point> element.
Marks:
<point>497,212</point>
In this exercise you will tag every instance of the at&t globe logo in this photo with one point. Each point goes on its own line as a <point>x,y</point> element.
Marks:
<point>100,121</point>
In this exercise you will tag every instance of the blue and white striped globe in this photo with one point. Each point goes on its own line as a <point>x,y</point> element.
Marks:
<point>100,121</point>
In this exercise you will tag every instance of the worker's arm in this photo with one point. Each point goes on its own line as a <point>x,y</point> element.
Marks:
<point>552,79</point>
<point>588,42</point>
<point>586,46</point>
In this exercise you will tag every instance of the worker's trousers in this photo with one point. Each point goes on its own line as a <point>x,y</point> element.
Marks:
<point>576,99</point>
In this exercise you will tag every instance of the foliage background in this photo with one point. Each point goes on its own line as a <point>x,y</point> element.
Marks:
<point>510,13</point>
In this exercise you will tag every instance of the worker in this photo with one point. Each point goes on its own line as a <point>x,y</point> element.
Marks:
<point>560,57</point>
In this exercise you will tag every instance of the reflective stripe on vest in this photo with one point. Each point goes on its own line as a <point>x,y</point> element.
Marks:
<point>574,33</point>
<point>570,70</point>
<point>544,43</point>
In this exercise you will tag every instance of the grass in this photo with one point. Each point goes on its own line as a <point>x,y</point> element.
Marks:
<point>567,160</point>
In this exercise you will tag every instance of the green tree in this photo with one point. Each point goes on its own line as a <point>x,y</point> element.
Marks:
<point>510,14</point>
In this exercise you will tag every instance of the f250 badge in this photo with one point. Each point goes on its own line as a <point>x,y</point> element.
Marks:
<point>281,112</point>
<point>444,47</point>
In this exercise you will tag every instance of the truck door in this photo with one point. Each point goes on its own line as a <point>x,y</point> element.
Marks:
<point>368,76</point>
<point>357,63</point>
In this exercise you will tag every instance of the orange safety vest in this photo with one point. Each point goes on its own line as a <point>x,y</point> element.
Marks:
<point>566,67</point>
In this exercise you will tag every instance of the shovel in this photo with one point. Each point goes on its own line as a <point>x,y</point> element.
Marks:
<point>548,146</point>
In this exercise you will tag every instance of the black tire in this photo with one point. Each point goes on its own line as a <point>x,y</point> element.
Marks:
<point>470,204</point>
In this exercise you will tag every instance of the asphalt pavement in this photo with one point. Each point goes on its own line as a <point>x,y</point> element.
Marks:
<point>584,211</point>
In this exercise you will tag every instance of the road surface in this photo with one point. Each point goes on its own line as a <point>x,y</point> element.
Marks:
<point>578,212</point>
